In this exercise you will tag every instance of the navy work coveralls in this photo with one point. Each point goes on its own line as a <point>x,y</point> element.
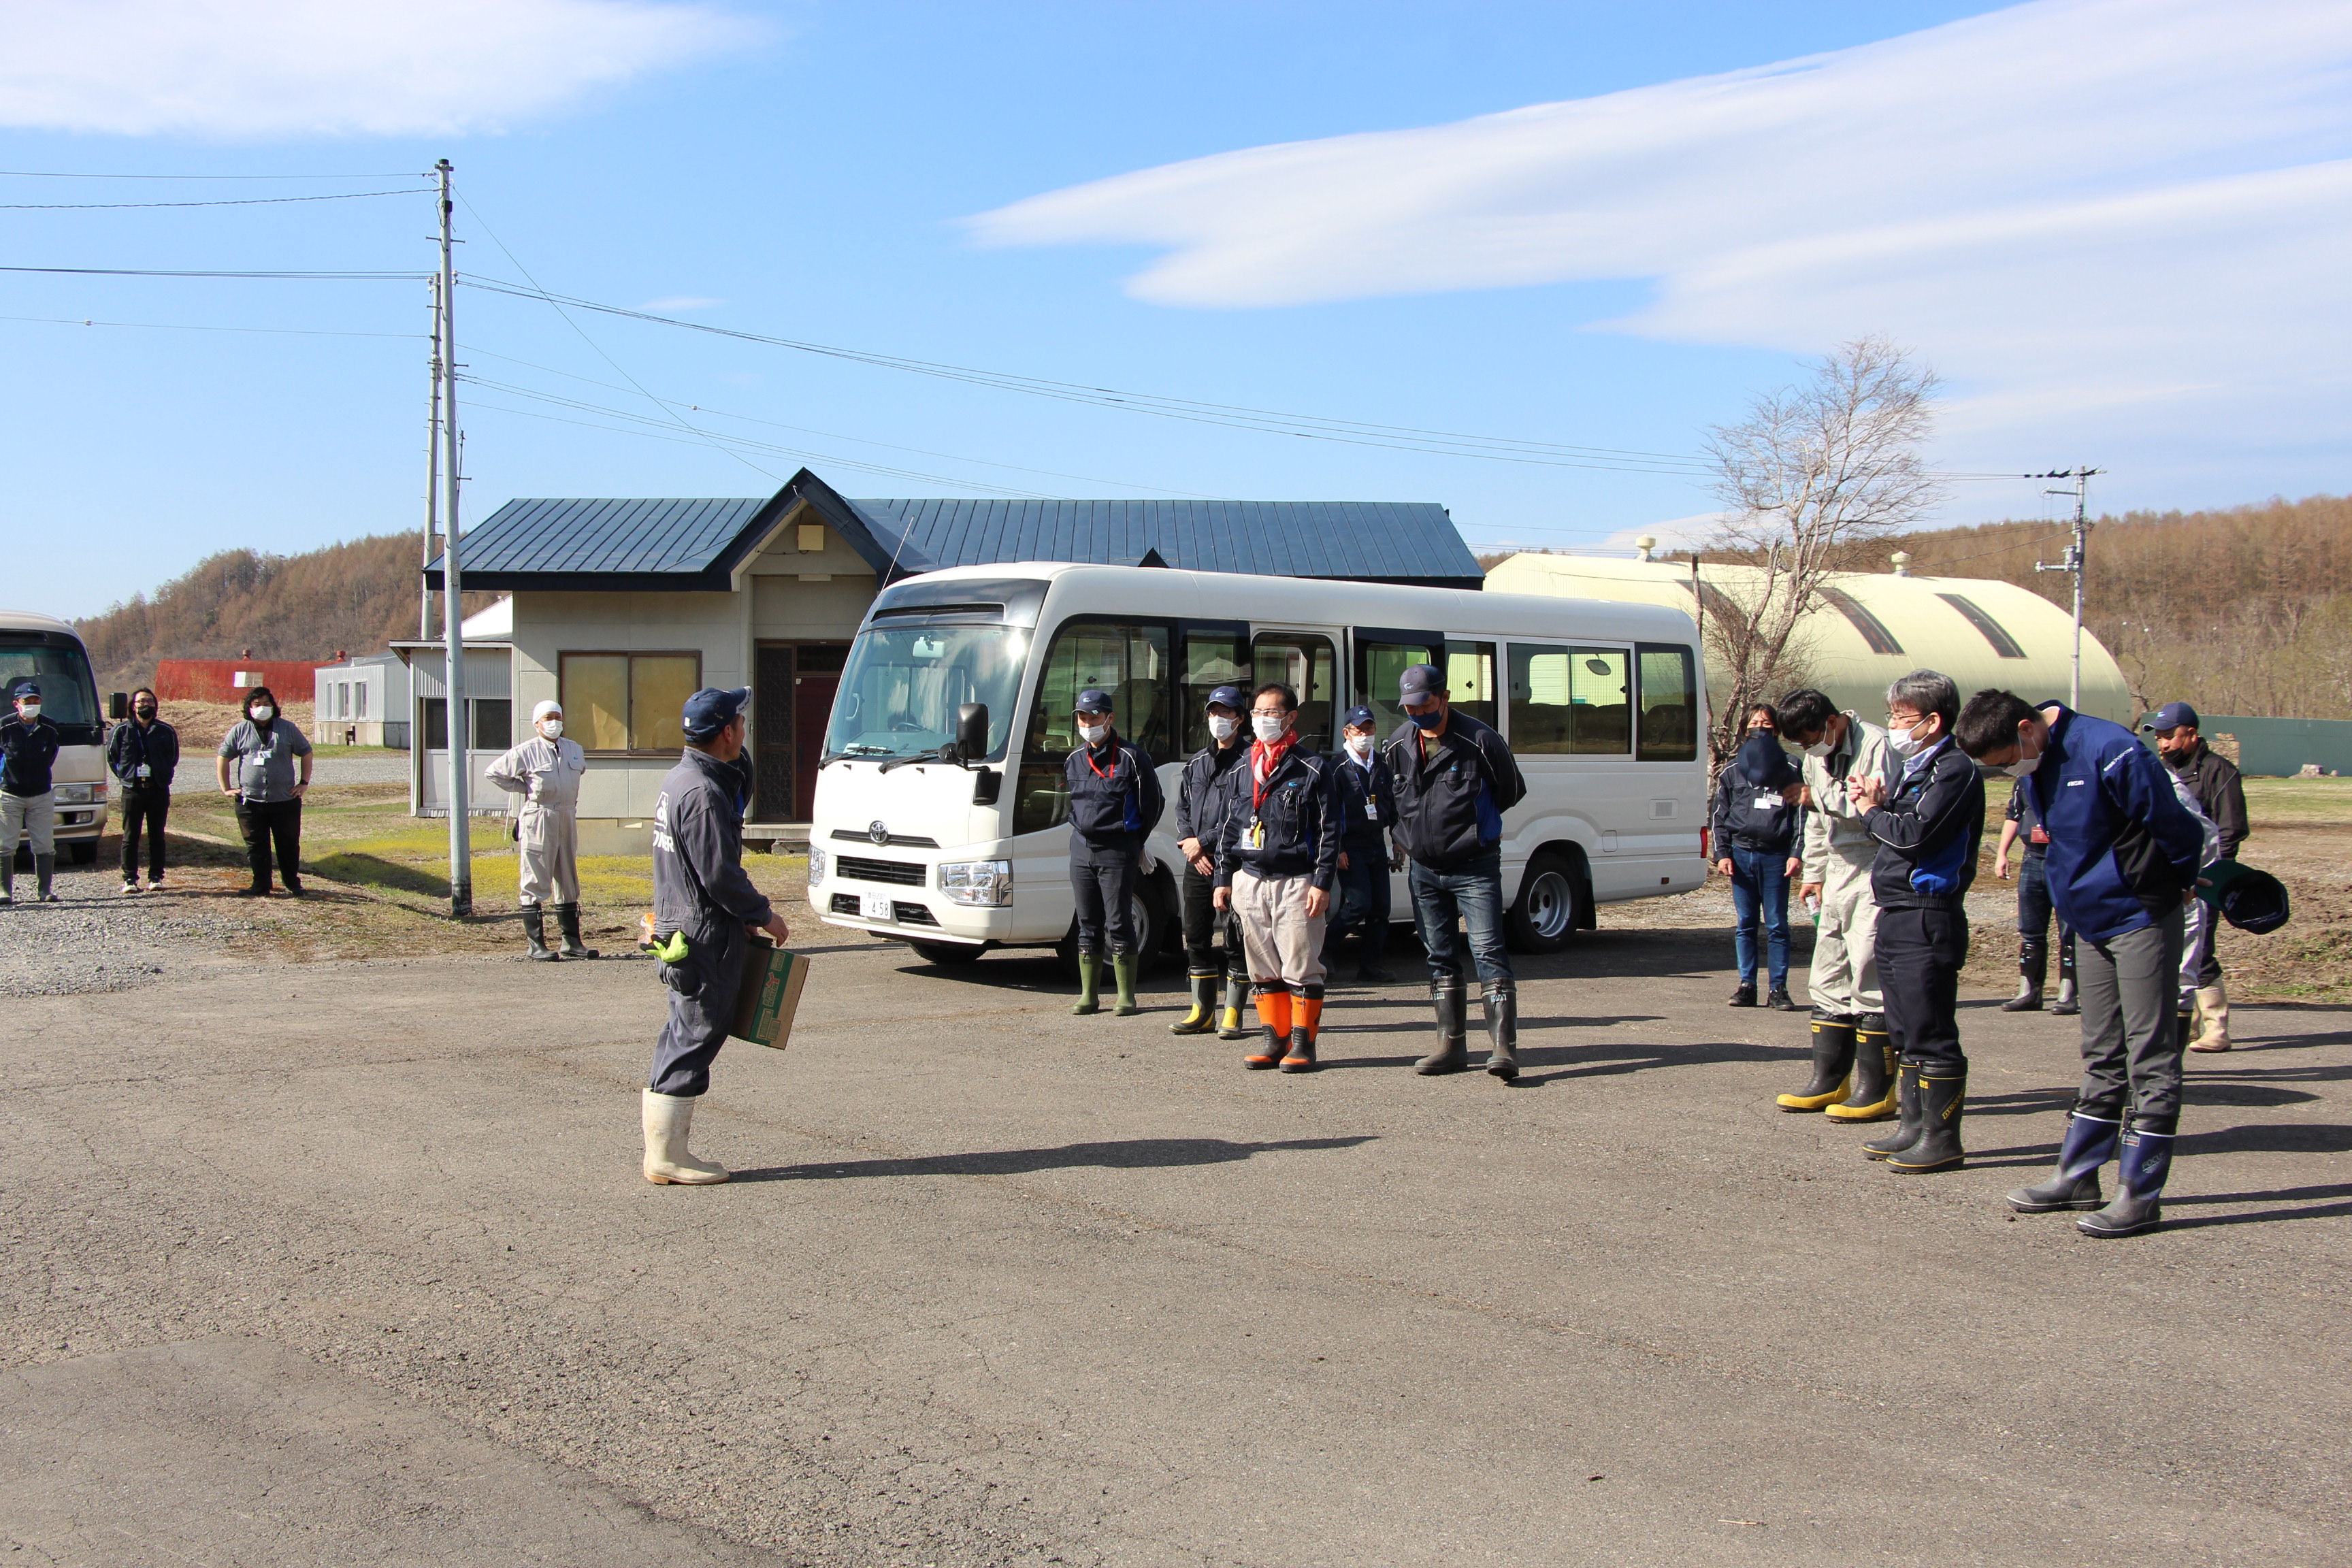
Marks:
<point>1115,800</point>
<point>699,889</point>
<point>1928,834</point>
<point>1366,811</point>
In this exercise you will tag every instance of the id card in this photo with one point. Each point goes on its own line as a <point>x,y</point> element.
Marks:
<point>1768,803</point>
<point>1257,836</point>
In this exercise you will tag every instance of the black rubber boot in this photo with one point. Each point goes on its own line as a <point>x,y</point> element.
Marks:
<point>534,931</point>
<point>45,870</point>
<point>2146,1160</point>
<point>1453,1001</point>
<point>567,920</point>
<point>1943,1098</point>
<point>2090,1144</point>
<point>1203,1015</point>
<point>1872,1099</point>
<point>1301,1055</point>
<point>2068,1003</point>
<point>1834,1048</point>
<point>1503,1030</point>
<point>8,878</point>
<point>2184,1029</point>
<point>2032,969</point>
<point>1906,1124</point>
<point>1235,1025</point>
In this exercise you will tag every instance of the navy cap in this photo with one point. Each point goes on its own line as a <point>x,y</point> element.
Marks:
<point>25,688</point>
<point>1358,719</point>
<point>1227,697</point>
<point>710,711</point>
<point>1095,700</point>
<point>2172,716</point>
<point>1420,683</point>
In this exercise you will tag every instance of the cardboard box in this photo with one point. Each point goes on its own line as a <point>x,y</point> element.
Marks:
<point>772,978</point>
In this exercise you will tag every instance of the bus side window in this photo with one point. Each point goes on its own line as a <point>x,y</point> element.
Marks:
<point>1669,700</point>
<point>1569,701</point>
<point>1130,662</point>
<point>1305,663</point>
<point>1470,680</point>
<point>1380,658</point>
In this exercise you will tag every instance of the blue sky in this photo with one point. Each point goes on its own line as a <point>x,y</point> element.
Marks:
<point>2129,255</point>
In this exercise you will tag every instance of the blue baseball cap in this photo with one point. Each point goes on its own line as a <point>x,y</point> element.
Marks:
<point>1095,700</point>
<point>2172,716</point>
<point>1421,683</point>
<point>710,711</point>
<point>1227,697</point>
<point>1358,719</point>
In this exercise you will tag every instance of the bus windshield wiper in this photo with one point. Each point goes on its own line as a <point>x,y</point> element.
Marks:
<point>933,756</point>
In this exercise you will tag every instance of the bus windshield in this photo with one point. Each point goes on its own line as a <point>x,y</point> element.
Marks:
<point>903,686</point>
<point>61,669</point>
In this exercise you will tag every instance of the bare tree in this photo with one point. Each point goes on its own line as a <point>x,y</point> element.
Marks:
<point>1812,474</point>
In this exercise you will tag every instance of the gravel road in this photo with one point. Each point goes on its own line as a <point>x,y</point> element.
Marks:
<point>195,776</point>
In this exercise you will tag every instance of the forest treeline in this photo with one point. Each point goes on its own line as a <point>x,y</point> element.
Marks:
<point>356,596</point>
<point>2244,611</point>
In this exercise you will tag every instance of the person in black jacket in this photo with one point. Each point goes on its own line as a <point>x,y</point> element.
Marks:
<point>1454,778</point>
<point>1115,800</point>
<point>2022,827</point>
<point>28,800</point>
<point>1204,794</point>
<point>1367,802</point>
<point>2213,781</point>
<point>143,755</point>
<point>1755,832</point>
<point>1276,866</point>
<point>1929,822</point>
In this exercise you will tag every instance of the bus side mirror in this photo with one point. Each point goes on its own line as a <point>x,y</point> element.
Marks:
<point>118,705</point>
<point>971,731</point>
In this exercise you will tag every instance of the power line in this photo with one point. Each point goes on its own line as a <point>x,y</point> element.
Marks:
<point>160,272</point>
<point>70,175</point>
<point>184,327</point>
<point>225,201</point>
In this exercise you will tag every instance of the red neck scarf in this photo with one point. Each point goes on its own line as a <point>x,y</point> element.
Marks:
<point>1266,757</point>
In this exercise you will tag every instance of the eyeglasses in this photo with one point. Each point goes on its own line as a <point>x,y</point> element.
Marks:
<point>1269,713</point>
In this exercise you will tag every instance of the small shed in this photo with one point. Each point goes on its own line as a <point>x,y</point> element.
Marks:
<point>362,701</point>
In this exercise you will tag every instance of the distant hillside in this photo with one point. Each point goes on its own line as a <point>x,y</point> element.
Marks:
<point>2245,611</point>
<point>355,595</point>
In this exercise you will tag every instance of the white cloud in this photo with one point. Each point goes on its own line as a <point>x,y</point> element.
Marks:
<point>249,69</point>
<point>2089,213</point>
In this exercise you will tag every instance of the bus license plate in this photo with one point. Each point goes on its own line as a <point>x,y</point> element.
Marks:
<point>876,906</point>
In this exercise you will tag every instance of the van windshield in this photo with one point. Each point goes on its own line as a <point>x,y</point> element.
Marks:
<point>903,685</point>
<point>61,670</point>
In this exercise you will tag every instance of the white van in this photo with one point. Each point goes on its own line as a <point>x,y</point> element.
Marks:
<point>46,650</point>
<point>940,811</point>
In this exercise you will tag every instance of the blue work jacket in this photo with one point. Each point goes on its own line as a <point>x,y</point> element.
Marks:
<point>2122,847</point>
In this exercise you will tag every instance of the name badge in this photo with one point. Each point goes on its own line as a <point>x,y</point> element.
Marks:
<point>1768,803</point>
<point>1257,835</point>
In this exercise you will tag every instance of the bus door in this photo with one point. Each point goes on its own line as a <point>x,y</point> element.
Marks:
<point>1381,654</point>
<point>1308,663</point>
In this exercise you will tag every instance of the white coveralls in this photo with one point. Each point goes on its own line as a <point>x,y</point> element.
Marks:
<point>546,773</point>
<point>1838,852</point>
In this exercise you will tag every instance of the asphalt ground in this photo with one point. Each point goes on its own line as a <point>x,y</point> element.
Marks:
<point>351,1263</point>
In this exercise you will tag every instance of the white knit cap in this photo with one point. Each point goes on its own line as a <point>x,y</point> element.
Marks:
<point>544,709</point>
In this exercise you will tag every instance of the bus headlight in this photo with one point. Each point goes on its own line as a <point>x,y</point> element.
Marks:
<point>983,883</point>
<point>76,793</point>
<point>816,864</point>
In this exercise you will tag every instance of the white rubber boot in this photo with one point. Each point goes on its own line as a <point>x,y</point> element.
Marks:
<point>668,1117</point>
<point>2214,1004</point>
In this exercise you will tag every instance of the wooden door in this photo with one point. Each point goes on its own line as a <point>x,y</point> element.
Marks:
<point>816,677</point>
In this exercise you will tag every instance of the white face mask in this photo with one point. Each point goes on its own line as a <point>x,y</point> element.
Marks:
<point>1267,727</point>
<point>1093,733</point>
<point>1360,747</point>
<point>1222,728</point>
<point>31,710</point>
<point>1818,749</point>
<point>263,713</point>
<point>551,728</point>
<point>2020,769</point>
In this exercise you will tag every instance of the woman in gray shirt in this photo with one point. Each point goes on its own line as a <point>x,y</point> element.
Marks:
<point>272,764</point>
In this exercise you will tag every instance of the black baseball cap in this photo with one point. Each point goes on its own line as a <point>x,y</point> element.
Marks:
<point>710,711</point>
<point>23,689</point>
<point>1095,700</point>
<point>1227,697</point>
<point>1358,719</point>
<point>1421,683</point>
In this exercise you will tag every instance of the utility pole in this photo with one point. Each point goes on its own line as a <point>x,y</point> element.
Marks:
<point>2076,552</point>
<point>453,615</point>
<point>432,476</point>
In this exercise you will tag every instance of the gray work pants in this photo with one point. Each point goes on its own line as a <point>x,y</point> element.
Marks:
<point>702,990</point>
<point>2131,1047</point>
<point>29,816</point>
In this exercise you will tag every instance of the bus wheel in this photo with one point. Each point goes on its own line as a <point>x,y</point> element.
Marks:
<point>947,953</point>
<point>1545,916</point>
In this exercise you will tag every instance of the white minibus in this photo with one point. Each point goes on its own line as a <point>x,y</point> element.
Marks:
<point>940,811</point>
<point>46,650</point>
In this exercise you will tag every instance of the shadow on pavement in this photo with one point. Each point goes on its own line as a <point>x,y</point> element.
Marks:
<point>1130,1153</point>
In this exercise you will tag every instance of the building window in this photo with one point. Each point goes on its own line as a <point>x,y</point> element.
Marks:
<point>1874,630</point>
<point>1569,701</point>
<point>493,723</point>
<point>627,702</point>
<point>2002,643</point>
<point>359,701</point>
<point>1669,699</point>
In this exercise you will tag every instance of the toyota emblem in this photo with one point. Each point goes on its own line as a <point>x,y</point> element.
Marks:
<point>878,832</point>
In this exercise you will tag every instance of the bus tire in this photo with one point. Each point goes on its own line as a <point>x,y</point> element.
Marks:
<point>948,954</point>
<point>1544,917</point>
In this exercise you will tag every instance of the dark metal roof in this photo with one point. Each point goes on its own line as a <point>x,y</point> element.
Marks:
<point>697,544</point>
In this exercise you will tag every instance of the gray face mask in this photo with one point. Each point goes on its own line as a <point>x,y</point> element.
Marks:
<point>2018,770</point>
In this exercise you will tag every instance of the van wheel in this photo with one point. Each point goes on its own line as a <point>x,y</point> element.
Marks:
<point>947,953</point>
<point>1546,914</point>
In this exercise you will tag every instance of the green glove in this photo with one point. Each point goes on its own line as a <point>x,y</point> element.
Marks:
<point>672,951</point>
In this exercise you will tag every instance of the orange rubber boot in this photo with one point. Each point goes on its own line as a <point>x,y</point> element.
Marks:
<point>1306,1023</point>
<point>1274,1015</point>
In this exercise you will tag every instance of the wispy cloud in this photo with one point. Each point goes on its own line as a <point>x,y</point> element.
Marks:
<point>2104,208</point>
<point>254,69</point>
<point>670,304</point>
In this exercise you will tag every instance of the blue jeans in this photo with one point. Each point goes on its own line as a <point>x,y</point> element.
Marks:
<point>1759,884</point>
<point>1473,891</point>
<point>1363,899</point>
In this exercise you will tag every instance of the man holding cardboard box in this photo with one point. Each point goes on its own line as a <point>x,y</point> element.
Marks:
<point>701,894</point>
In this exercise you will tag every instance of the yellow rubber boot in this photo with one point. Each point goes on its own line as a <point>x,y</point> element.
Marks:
<point>1833,1046</point>
<point>1876,1095</point>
